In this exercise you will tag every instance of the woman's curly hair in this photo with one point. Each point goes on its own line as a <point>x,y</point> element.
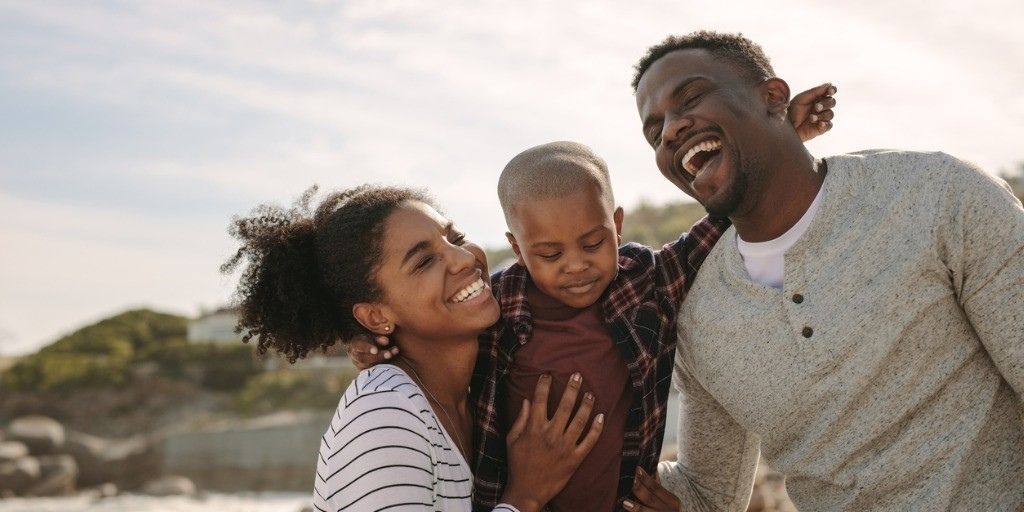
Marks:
<point>307,268</point>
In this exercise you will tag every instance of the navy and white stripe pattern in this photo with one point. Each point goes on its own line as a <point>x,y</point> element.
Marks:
<point>386,450</point>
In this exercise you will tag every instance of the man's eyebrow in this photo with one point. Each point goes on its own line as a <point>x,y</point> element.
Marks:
<point>677,90</point>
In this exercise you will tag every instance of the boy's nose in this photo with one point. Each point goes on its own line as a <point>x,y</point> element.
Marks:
<point>577,265</point>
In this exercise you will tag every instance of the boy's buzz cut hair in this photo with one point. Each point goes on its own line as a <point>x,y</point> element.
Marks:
<point>747,55</point>
<point>552,170</point>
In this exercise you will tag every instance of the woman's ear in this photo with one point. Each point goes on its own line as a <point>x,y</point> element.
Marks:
<point>775,93</point>
<point>374,317</point>
<point>617,217</point>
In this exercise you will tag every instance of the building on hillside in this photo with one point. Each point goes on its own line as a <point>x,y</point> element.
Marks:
<point>214,327</point>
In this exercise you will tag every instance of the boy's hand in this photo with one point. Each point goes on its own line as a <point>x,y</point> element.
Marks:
<point>650,495</point>
<point>366,351</point>
<point>811,111</point>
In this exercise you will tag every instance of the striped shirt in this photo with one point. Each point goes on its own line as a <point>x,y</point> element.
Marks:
<point>386,450</point>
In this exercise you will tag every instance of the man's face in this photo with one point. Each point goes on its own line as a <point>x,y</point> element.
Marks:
<point>706,123</point>
<point>569,245</point>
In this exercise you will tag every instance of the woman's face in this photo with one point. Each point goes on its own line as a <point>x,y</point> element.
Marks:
<point>435,283</point>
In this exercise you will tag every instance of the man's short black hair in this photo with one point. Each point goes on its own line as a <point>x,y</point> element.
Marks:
<point>739,50</point>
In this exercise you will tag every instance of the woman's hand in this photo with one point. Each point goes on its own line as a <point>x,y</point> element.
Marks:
<point>366,351</point>
<point>543,453</point>
<point>650,495</point>
<point>811,111</point>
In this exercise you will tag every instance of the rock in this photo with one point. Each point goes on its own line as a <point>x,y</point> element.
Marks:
<point>18,475</point>
<point>12,450</point>
<point>126,462</point>
<point>58,479</point>
<point>170,485</point>
<point>42,435</point>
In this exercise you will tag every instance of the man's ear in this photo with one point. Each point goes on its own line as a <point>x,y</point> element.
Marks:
<point>618,216</point>
<point>515,247</point>
<point>775,94</point>
<point>374,317</point>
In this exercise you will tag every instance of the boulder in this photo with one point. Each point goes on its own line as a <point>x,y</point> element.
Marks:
<point>59,474</point>
<point>126,462</point>
<point>42,435</point>
<point>18,475</point>
<point>170,485</point>
<point>12,450</point>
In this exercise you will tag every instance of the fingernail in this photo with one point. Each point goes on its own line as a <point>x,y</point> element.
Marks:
<point>599,418</point>
<point>545,377</point>
<point>387,355</point>
<point>814,118</point>
<point>819,107</point>
<point>628,504</point>
<point>831,90</point>
<point>373,350</point>
<point>588,396</point>
<point>576,377</point>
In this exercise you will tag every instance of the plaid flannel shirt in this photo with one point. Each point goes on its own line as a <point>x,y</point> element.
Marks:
<point>640,308</point>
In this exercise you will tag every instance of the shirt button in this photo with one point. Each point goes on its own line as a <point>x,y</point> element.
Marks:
<point>807,332</point>
<point>797,298</point>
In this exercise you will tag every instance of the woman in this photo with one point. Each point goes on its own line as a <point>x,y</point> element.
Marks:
<point>382,260</point>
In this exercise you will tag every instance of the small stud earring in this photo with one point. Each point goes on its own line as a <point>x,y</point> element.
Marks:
<point>387,328</point>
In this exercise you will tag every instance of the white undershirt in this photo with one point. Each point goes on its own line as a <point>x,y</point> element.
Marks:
<point>764,260</point>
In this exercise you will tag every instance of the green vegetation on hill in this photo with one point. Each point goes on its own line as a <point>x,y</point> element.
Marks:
<point>104,354</point>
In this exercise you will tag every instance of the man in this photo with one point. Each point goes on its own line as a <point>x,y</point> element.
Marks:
<point>862,324</point>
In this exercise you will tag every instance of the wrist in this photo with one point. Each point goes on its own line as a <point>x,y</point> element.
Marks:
<point>520,501</point>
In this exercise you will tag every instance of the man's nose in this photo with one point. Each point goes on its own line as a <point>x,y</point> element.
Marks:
<point>673,129</point>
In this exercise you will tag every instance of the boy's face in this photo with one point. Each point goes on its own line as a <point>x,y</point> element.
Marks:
<point>569,244</point>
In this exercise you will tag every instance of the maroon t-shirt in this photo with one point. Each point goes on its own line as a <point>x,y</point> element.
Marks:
<point>565,341</point>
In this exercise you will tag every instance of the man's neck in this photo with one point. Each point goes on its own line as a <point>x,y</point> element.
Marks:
<point>785,196</point>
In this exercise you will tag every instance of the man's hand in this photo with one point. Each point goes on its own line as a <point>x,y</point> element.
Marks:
<point>811,111</point>
<point>650,495</point>
<point>366,351</point>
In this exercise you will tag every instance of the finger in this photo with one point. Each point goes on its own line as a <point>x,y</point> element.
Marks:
<point>824,104</point>
<point>579,420</point>
<point>588,442</point>
<point>659,495</point>
<point>821,116</point>
<point>520,424</point>
<point>539,414</point>
<point>810,95</point>
<point>394,351</point>
<point>633,506</point>
<point>565,406</point>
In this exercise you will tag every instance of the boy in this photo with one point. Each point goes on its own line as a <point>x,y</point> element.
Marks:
<point>576,302</point>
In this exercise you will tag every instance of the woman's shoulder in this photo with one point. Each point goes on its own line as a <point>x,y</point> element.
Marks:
<point>383,390</point>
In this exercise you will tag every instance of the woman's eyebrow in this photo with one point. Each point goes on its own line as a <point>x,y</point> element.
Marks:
<point>419,247</point>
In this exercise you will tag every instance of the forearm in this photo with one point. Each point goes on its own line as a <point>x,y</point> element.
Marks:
<point>717,457</point>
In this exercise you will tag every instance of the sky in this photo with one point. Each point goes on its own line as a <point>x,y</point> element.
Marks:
<point>131,132</point>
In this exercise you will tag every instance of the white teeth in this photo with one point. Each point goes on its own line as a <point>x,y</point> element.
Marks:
<point>469,292</point>
<point>708,145</point>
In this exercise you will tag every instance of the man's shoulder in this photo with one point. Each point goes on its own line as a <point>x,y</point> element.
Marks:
<point>907,167</point>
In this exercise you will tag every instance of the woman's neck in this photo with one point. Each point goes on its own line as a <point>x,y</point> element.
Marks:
<point>443,367</point>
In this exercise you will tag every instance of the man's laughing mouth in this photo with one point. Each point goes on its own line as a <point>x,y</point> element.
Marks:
<point>698,157</point>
